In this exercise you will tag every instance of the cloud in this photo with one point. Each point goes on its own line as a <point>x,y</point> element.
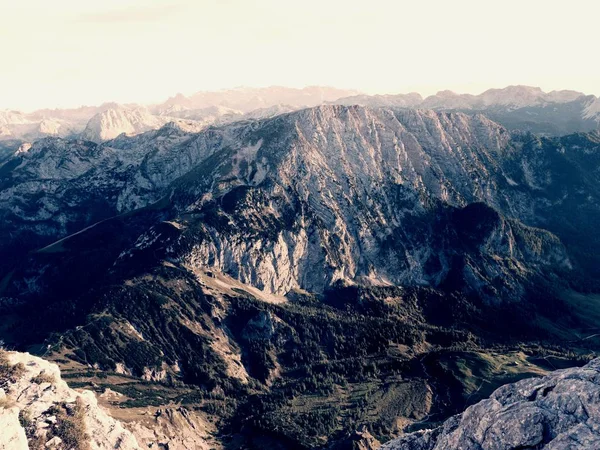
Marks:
<point>131,14</point>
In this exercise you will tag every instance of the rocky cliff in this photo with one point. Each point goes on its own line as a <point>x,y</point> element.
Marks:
<point>38,410</point>
<point>559,411</point>
<point>365,194</point>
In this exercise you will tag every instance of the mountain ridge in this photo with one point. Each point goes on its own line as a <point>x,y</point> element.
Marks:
<point>357,142</point>
<point>530,105</point>
<point>516,107</point>
<point>332,255</point>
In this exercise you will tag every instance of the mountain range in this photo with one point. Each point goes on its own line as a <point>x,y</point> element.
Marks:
<point>294,274</point>
<point>108,120</point>
<point>516,107</point>
<point>522,108</point>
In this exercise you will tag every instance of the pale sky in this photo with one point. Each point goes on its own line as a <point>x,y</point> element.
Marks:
<point>64,53</point>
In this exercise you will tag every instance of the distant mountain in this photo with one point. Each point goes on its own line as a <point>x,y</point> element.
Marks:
<point>411,100</point>
<point>248,99</point>
<point>592,109</point>
<point>516,107</point>
<point>210,114</point>
<point>514,97</point>
<point>112,122</point>
<point>364,172</point>
<point>202,109</point>
<point>17,125</point>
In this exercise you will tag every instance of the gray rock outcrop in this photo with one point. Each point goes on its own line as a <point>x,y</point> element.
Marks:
<point>560,411</point>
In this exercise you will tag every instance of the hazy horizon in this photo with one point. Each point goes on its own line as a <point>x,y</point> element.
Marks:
<point>69,53</point>
<point>188,94</point>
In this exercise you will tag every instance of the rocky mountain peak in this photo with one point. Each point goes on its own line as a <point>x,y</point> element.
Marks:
<point>112,122</point>
<point>336,184</point>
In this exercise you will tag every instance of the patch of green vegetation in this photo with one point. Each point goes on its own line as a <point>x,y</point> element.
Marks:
<point>70,425</point>
<point>80,384</point>
<point>34,441</point>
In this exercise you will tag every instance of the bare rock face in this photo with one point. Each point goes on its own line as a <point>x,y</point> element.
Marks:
<point>362,194</point>
<point>13,435</point>
<point>558,412</point>
<point>37,406</point>
<point>112,122</point>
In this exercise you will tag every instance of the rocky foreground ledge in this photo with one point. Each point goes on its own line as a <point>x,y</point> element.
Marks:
<point>557,412</point>
<point>39,410</point>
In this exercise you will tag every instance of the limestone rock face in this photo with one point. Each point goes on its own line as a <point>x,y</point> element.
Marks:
<point>112,122</point>
<point>13,435</point>
<point>34,391</point>
<point>364,195</point>
<point>557,412</point>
